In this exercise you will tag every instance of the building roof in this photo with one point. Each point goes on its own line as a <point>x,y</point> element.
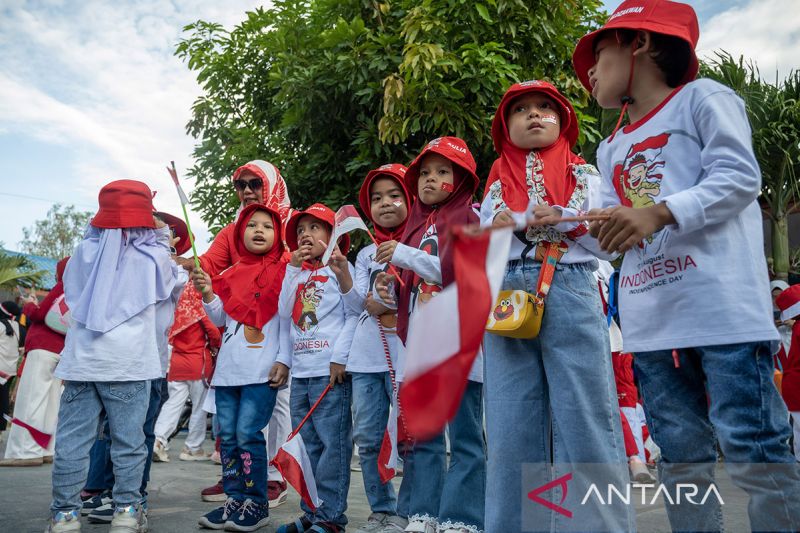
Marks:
<point>40,263</point>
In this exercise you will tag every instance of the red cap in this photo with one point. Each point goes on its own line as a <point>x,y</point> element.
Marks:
<point>125,204</point>
<point>320,212</point>
<point>395,171</point>
<point>789,302</point>
<point>657,16</point>
<point>569,123</point>
<point>178,227</point>
<point>452,148</point>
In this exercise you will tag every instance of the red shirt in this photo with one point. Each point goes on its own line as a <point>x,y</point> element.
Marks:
<point>790,386</point>
<point>39,336</point>
<point>627,394</point>
<point>222,252</point>
<point>191,356</point>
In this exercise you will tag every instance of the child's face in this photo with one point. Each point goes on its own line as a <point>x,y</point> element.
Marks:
<point>249,188</point>
<point>609,75</point>
<point>533,121</point>
<point>436,179</point>
<point>259,233</point>
<point>311,230</point>
<point>387,203</point>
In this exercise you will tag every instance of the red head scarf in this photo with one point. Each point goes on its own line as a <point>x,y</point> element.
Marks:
<point>509,168</point>
<point>455,210</point>
<point>188,311</point>
<point>60,266</point>
<point>393,171</point>
<point>249,290</point>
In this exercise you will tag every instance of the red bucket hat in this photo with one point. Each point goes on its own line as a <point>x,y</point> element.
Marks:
<point>125,204</point>
<point>453,149</point>
<point>657,16</point>
<point>789,302</point>
<point>178,227</point>
<point>320,212</point>
<point>569,123</point>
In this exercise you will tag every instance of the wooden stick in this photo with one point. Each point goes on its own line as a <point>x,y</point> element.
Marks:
<point>313,407</point>
<point>391,266</point>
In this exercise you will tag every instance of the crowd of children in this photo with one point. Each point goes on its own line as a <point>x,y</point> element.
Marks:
<point>325,343</point>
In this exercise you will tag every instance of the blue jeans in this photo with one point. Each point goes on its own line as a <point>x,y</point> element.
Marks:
<point>455,493</point>
<point>328,437</point>
<point>372,399</point>
<point>125,403</point>
<point>723,393</point>
<point>559,385</point>
<point>242,412</point>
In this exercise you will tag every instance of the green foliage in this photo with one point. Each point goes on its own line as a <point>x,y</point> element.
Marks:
<point>56,235</point>
<point>327,89</point>
<point>18,270</point>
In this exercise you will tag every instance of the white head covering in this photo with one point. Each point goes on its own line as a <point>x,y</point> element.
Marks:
<point>778,284</point>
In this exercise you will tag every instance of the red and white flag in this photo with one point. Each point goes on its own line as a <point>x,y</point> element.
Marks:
<point>347,219</point>
<point>392,437</point>
<point>445,334</point>
<point>39,437</point>
<point>174,175</point>
<point>294,465</point>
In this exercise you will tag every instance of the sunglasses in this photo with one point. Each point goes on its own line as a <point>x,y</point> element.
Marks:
<point>255,184</point>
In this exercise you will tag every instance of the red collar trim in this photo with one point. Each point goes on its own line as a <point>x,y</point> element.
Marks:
<point>632,127</point>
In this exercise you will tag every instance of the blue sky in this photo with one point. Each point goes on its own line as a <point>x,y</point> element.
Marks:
<point>90,91</point>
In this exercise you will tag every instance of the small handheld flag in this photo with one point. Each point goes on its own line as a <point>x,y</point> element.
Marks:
<point>184,202</point>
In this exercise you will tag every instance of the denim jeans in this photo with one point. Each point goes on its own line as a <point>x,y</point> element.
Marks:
<point>153,408</point>
<point>455,493</point>
<point>372,399</point>
<point>328,437</point>
<point>560,386</point>
<point>125,403</point>
<point>242,412</point>
<point>726,394</point>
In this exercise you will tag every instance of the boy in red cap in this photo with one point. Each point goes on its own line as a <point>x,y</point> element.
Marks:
<point>789,303</point>
<point>694,295</point>
<point>320,325</point>
<point>117,278</point>
<point>433,496</point>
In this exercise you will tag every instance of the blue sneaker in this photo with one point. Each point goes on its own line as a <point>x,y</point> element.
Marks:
<point>102,500</point>
<point>102,514</point>
<point>216,519</point>
<point>249,517</point>
<point>68,522</point>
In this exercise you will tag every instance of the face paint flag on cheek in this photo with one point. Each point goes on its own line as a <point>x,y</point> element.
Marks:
<point>549,118</point>
<point>397,203</point>
<point>448,187</point>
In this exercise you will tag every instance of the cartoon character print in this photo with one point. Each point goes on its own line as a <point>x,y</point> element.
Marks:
<point>387,320</point>
<point>306,299</point>
<point>508,309</point>
<point>253,336</point>
<point>422,291</point>
<point>503,310</point>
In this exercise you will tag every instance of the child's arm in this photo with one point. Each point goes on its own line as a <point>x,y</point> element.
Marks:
<point>285,302</point>
<point>426,266</point>
<point>341,347</point>
<point>212,304</point>
<point>279,374</point>
<point>212,332</point>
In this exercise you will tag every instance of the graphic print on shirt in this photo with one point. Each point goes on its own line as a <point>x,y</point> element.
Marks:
<point>253,336</point>
<point>387,320</point>
<point>421,290</point>
<point>307,298</point>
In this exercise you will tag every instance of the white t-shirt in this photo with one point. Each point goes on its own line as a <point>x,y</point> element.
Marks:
<point>9,350</point>
<point>702,281</point>
<point>247,354</point>
<point>313,311</point>
<point>165,316</point>
<point>367,352</point>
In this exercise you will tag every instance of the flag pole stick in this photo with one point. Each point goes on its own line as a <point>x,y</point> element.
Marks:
<point>186,219</point>
<point>475,228</point>
<point>296,430</point>
<point>391,266</point>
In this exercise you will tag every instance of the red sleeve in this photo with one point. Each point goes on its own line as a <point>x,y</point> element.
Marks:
<point>212,332</point>
<point>36,313</point>
<point>218,257</point>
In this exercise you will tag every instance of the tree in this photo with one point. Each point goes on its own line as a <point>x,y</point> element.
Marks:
<point>18,270</point>
<point>328,89</point>
<point>56,235</point>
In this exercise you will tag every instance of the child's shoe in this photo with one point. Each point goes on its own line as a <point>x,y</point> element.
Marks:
<point>160,454</point>
<point>102,500</point>
<point>276,493</point>
<point>640,473</point>
<point>374,523</point>
<point>301,525</point>
<point>216,519</point>
<point>189,455</point>
<point>130,519</point>
<point>249,517</point>
<point>394,524</point>
<point>457,527</point>
<point>214,493</point>
<point>68,522</point>
<point>325,527</point>
<point>422,524</point>
<point>215,457</point>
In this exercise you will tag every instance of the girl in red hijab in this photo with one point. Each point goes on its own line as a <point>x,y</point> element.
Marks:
<point>442,178</point>
<point>249,371</point>
<point>561,382</point>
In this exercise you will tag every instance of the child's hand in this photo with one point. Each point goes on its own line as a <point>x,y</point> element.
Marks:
<point>545,215</point>
<point>186,264</point>
<point>385,252</point>
<point>158,222</point>
<point>303,253</point>
<point>337,373</point>
<point>383,283</point>
<point>628,226</point>
<point>374,307</point>
<point>202,282</point>
<point>503,218</point>
<point>278,375</point>
<point>595,225</point>
<point>338,263</point>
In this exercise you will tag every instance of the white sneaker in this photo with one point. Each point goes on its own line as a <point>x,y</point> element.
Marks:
<point>394,524</point>
<point>421,524</point>
<point>640,474</point>
<point>160,454</point>
<point>196,455</point>
<point>69,522</point>
<point>457,527</point>
<point>130,519</point>
<point>374,523</point>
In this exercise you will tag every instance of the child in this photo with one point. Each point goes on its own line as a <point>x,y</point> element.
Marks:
<point>385,201</point>
<point>789,304</point>
<point>556,390</point>
<point>312,309</point>
<point>450,500</point>
<point>115,279</point>
<point>249,366</point>
<point>694,296</point>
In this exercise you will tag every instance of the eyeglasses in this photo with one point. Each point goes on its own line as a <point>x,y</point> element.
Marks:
<point>255,184</point>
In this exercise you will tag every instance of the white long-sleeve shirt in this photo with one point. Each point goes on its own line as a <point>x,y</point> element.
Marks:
<point>313,311</point>
<point>247,354</point>
<point>702,281</point>
<point>165,316</point>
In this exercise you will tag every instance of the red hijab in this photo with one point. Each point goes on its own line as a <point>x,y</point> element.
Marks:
<point>558,159</point>
<point>455,210</point>
<point>397,173</point>
<point>249,290</point>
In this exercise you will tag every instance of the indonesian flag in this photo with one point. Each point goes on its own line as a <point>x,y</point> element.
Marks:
<point>174,175</point>
<point>394,434</point>
<point>446,333</point>
<point>347,219</point>
<point>294,465</point>
<point>39,437</point>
